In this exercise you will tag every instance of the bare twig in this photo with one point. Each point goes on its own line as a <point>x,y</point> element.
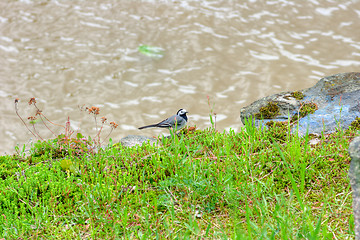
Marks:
<point>113,125</point>
<point>17,113</point>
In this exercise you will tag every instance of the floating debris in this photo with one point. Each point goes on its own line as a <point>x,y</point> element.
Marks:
<point>151,51</point>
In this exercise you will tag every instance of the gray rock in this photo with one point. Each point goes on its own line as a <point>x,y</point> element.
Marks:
<point>133,140</point>
<point>336,97</point>
<point>354,175</point>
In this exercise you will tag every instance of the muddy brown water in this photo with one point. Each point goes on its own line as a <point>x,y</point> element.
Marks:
<point>68,54</point>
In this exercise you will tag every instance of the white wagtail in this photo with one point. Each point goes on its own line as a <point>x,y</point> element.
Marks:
<point>175,122</point>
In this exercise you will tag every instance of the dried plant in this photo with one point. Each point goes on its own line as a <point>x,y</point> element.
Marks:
<point>80,143</point>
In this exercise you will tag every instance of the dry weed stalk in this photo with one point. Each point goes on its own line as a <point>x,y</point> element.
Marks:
<point>67,128</point>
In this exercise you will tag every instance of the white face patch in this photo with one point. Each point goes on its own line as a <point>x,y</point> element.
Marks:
<point>182,111</point>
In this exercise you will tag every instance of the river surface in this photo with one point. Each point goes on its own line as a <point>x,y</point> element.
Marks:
<point>68,54</point>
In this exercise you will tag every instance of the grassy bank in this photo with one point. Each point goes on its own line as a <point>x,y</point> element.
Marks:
<point>254,184</point>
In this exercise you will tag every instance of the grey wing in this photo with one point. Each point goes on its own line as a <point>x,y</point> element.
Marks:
<point>167,123</point>
<point>172,122</point>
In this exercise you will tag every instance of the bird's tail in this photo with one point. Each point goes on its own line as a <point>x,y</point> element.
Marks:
<point>148,126</point>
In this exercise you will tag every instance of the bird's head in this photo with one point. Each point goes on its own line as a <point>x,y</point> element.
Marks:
<point>182,112</point>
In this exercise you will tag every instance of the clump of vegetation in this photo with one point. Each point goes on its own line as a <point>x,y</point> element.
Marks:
<point>305,109</point>
<point>355,125</point>
<point>201,184</point>
<point>269,111</point>
<point>65,143</point>
<point>278,130</point>
<point>297,95</point>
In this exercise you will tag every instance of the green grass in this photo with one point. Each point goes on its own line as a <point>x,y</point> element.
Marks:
<point>199,185</point>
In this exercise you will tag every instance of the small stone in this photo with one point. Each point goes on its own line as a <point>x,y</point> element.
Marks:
<point>133,140</point>
<point>314,141</point>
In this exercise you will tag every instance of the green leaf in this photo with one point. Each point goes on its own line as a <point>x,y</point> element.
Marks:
<point>79,136</point>
<point>65,164</point>
<point>151,51</point>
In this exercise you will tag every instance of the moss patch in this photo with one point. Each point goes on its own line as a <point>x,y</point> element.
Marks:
<point>355,125</point>
<point>297,95</point>
<point>269,111</point>
<point>305,109</point>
